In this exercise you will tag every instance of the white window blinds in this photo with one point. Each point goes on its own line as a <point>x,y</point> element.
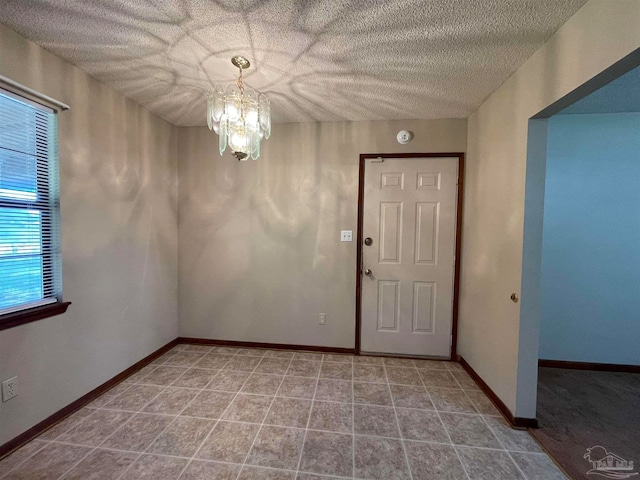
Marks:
<point>29,205</point>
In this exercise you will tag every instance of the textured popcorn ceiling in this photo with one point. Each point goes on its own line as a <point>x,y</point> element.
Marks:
<point>318,60</point>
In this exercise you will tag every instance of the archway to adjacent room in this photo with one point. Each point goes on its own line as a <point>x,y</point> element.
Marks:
<point>579,281</point>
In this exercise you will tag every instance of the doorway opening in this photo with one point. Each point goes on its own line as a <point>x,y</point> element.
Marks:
<point>580,270</point>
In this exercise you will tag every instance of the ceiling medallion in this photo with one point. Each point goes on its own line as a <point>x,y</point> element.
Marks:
<point>240,116</point>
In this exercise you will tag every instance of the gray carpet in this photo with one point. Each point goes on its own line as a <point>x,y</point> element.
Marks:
<point>580,409</point>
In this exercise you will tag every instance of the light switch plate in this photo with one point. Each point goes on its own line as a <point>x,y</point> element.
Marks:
<point>346,236</point>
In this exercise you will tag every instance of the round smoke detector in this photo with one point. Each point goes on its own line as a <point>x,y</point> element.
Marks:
<point>404,136</point>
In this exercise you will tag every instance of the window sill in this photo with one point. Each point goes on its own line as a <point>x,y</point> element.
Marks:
<point>14,319</point>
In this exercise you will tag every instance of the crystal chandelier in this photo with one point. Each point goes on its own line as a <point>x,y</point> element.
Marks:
<point>239,116</point>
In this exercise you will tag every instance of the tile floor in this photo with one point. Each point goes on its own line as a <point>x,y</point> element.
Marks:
<point>219,413</point>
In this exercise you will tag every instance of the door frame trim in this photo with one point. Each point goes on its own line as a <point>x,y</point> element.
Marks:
<point>458,238</point>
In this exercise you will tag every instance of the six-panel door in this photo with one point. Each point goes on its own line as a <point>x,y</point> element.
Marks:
<point>408,270</point>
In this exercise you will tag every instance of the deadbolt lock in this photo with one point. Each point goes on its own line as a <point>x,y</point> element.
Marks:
<point>368,241</point>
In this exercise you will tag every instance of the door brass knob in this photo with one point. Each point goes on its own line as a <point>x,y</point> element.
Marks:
<point>367,272</point>
<point>368,241</point>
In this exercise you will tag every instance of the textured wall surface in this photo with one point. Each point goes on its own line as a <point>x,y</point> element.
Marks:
<point>260,251</point>
<point>590,254</point>
<point>320,60</point>
<point>119,242</point>
<point>496,340</point>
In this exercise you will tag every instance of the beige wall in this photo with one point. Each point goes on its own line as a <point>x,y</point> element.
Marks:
<point>496,340</point>
<point>259,248</point>
<point>119,242</point>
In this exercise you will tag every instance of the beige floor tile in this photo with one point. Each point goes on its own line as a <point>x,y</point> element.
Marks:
<point>398,362</point>
<point>67,424</point>
<point>379,459</point>
<point>248,408</point>
<point>538,466</point>
<point>102,465</point>
<point>154,467</point>
<point>183,437</point>
<point>96,428</point>
<point>432,461</point>
<point>171,401</point>
<point>277,447</point>
<point>450,400</point>
<point>465,380</point>
<point>403,376</point>
<point>469,430</point>
<point>339,371</point>
<point>331,416</point>
<point>438,378</point>
<point>257,473</point>
<point>422,425</point>
<point>303,368</point>
<point>229,442</point>
<point>482,402</point>
<point>202,470</point>
<point>289,412</point>
<point>372,393</point>
<point>327,453</point>
<point>274,366</point>
<point>242,364</point>
<point>424,364</point>
<point>297,387</point>
<point>209,404</point>
<point>482,464</point>
<point>309,356</point>
<point>228,381</point>
<point>511,439</point>
<point>333,357</point>
<point>375,420</point>
<point>367,360</point>
<point>411,396</point>
<point>250,352</point>
<point>194,378</point>
<point>213,361</point>
<point>369,373</point>
<point>134,398</point>
<point>148,426</point>
<point>113,393</point>
<point>163,375</point>
<point>334,390</point>
<point>196,348</point>
<point>22,454</point>
<point>138,433</point>
<point>49,463</point>
<point>262,384</point>
<point>279,354</point>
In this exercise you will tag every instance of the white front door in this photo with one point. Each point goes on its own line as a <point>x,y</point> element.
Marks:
<point>408,255</point>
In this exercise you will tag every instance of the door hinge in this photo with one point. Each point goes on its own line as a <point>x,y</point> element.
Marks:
<point>451,340</point>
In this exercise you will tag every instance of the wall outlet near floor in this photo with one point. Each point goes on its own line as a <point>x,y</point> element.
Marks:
<point>9,389</point>
<point>322,318</point>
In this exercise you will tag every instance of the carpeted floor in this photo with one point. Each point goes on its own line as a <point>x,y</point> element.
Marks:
<point>579,409</point>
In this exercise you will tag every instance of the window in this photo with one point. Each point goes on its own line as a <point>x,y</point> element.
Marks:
<point>30,278</point>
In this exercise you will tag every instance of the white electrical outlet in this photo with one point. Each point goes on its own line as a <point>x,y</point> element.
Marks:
<point>346,236</point>
<point>322,318</point>
<point>9,389</point>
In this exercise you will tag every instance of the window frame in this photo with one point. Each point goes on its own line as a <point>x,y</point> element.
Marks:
<point>55,306</point>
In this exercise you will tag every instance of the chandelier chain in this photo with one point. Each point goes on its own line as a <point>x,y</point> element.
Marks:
<point>239,83</point>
